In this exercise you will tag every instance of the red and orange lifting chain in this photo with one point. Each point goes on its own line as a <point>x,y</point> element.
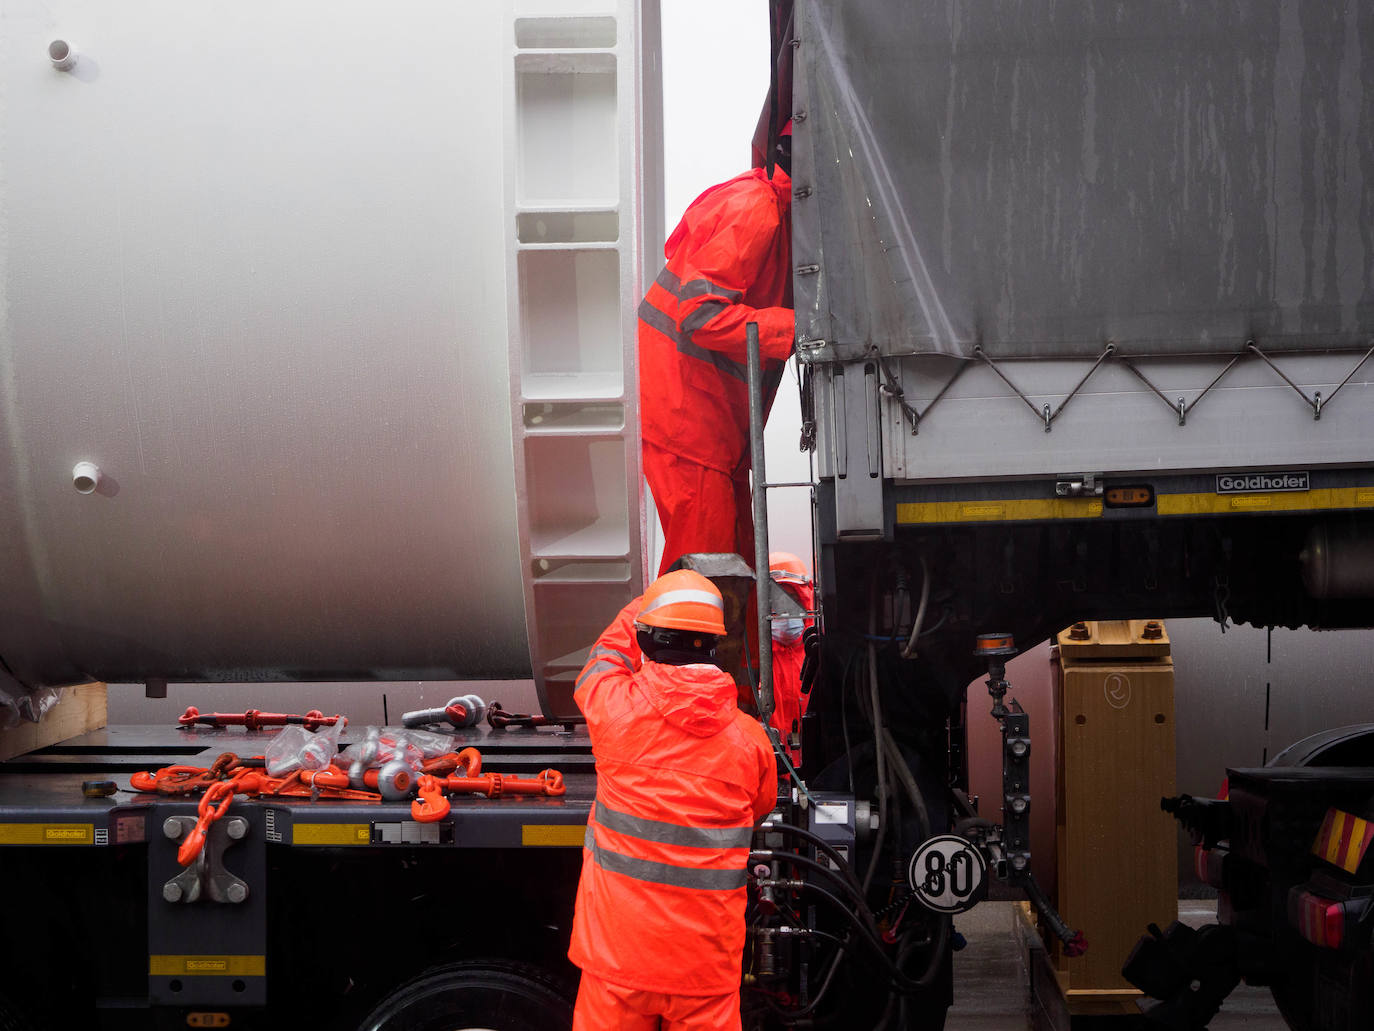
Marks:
<point>255,720</point>
<point>229,775</point>
<point>431,804</point>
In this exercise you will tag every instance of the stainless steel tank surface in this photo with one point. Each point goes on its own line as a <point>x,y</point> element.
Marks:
<point>260,359</point>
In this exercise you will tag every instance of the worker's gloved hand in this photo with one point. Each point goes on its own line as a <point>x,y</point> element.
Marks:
<point>811,663</point>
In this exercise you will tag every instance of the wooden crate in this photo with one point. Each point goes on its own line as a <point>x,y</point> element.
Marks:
<point>80,709</point>
<point>1117,855</point>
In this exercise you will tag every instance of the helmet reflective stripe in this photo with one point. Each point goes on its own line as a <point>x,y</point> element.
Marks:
<point>683,597</point>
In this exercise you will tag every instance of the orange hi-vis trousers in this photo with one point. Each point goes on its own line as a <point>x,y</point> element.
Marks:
<point>602,1006</point>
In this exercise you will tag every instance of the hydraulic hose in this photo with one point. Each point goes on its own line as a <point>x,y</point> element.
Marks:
<point>913,790</point>
<point>909,649</point>
<point>818,841</point>
<point>802,1012</point>
<point>769,855</point>
<point>899,980</point>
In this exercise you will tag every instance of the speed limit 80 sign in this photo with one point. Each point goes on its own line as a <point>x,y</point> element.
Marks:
<point>948,874</point>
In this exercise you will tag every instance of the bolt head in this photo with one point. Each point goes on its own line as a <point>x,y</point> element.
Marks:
<point>236,828</point>
<point>171,891</point>
<point>236,892</point>
<point>171,827</point>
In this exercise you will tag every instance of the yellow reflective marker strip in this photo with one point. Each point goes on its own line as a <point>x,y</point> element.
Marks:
<point>1010,510</point>
<point>47,833</point>
<point>331,834</point>
<point>207,966</point>
<point>1332,828</point>
<point>1277,501</point>
<point>1343,840</point>
<point>1025,509</point>
<point>565,835</point>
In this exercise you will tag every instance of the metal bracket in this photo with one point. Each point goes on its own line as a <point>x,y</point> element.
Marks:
<point>206,878</point>
<point>1016,793</point>
<point>1088,485</point>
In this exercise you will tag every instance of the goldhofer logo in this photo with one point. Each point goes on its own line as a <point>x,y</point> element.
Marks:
<point>1245,483</point>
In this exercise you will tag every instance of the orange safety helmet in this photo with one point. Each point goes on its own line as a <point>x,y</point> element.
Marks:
<point>683,600</point>
<point>786,568</point>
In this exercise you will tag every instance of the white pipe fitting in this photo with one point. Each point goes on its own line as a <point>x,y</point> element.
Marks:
<point>86,477</point>
<point>62,56</point>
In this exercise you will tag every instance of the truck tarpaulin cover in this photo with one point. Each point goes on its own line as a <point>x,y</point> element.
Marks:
<point>1041,177</point>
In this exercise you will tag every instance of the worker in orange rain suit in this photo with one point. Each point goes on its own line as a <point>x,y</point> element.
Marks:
<point>729,264</point>
<point>683,777</point>
<point>789,651</point>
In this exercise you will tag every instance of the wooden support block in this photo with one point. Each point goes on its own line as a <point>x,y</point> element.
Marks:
<point>1099,640</point>
<point>1117,858</point>
<point>80,709</point>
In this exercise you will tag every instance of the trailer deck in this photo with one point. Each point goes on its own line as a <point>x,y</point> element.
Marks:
<point>277,876</point>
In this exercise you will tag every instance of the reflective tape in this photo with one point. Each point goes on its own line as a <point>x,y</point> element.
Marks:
<point>1343,839</point>
<point>705,312</point>
<point>602,651</point>
<point>662,873</point>
<point>664,323</point>
<point>602,659</point>
<point>672,833</point>
<point>698,287</point>
<point>669,281</point>
<point>599,666</point>
<point>659,320</point>
<point>686,596</point>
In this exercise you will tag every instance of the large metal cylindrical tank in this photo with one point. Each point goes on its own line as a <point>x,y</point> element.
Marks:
<point>266,352</point>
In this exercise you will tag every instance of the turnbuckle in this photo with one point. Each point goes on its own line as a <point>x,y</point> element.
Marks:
<point>255,720</point>
<point>499,719</point>
<point>432,804</point>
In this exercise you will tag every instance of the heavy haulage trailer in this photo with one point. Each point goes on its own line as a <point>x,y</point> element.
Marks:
<point>1084,299</point>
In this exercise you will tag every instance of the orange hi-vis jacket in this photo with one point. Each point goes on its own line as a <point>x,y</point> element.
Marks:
<point>683,777</point>
<point>729,264</point>
<point>789,704</point>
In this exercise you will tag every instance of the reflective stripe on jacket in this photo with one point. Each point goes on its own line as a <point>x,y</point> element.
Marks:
<point>729,264</point>
<point>683,777</point>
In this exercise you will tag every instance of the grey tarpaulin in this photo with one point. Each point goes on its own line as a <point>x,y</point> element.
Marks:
<point>1040,177</point>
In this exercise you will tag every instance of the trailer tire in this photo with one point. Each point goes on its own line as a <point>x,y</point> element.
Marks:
<point>11,1019</point>
<point>491,995</point>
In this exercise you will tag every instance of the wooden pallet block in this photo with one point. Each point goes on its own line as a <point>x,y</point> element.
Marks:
<point>1117,860</point>
<point>81,709</point>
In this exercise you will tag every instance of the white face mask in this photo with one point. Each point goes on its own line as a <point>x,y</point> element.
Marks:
<point>785,631</point>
